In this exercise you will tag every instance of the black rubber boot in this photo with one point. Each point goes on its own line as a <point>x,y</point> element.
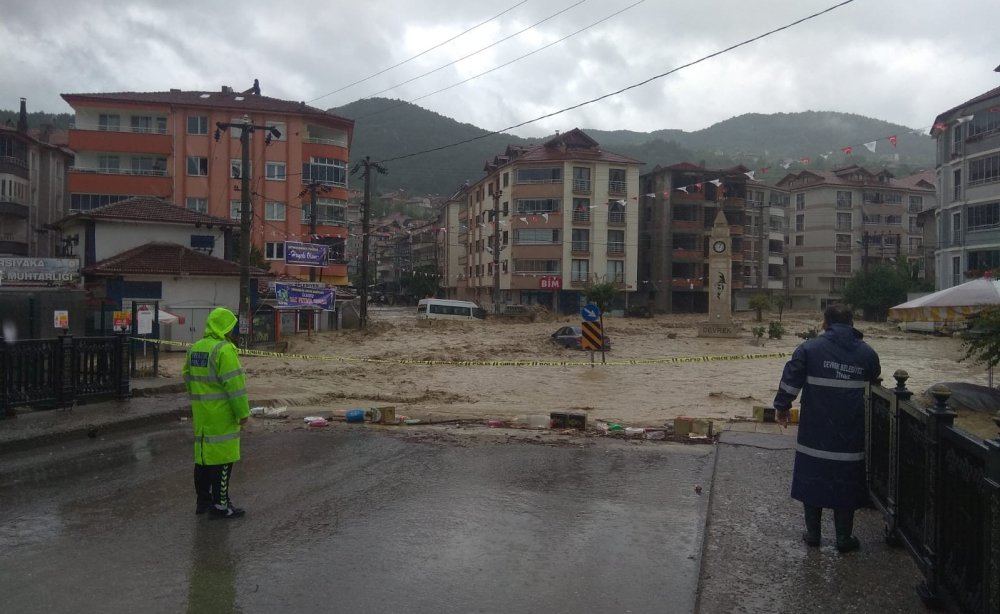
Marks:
<point>814,518</point>
<point>843,520</point>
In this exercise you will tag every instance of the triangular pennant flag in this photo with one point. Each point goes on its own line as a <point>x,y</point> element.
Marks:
<point>523,219</point>
<point>621,202</point>
<point>940,126</point>
<point>749,174</point>
<point>716,182</point>
<point>650,195</point>
<point>892,140</point>
<point>824,156</point>
<point>785,165</point>
<point>847,150</point>
<point>805,160</point>
<point>964,118</point>
<point>666,194</point>
<point>993,110</point>
<point>870,146</point>
<point>546,216</point>
<point>683,188</point>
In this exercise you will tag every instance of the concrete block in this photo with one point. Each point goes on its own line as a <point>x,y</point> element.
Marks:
<point>682,426</point>
<point>568,420</point>
<point>762,413</point>
<point>701,427</point>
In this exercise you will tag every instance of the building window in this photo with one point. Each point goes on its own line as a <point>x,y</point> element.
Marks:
<point>616,241</point>
<point>149,165</point>
<point>616,181</point>
<point>799,240</point>
<point>149,125</point>
<point>800,223</point>
<point>915,243</point>
<point>844,199</point>
<point>581,179</point>
<point>109,164</point>
<point>956,270</point>
<point>109,123</point>
<point>537,266</point>
<point>616,271</point>
<point>798,282</point>
<point>274,250</point>
<point>580,271</point>
<point>506,179</point>
<point>956,229</point>
<point>536,236</point>
<point>799,261</point>
<point>197,124</point>
<point>956,184</point>
<point>86,202</point>
<point>329,211</point>
<point>196,204</point>
<point>983,124</point>
<point>274,211</point>
<point>984,170</point>
<point>616,212</point>
<point>537,205</point>
<point>538,175</point>
<point>197,166</point>
<point>275,171</point>
<point>843,264</point>
<point>235,209</point>
<point>872,219</point>
<point>236,168</point>
<point>916,204</point>
<point>894,220</point>
<point>581,240</point>
<point>800,202</point>
<point>843,243</point>
<point>280,127</point>
<point>329,171</point>
<point>956,140</point>
<point>983,217</point>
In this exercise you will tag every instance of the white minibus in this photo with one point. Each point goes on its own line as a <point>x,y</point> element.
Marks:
<point>444,309</point>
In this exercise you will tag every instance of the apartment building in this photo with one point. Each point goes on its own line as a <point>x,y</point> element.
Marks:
<point>968,179</point>
<point>848,219</point>
<point>451,244</point>
<point>32,191</point>
<point>167,145</point>
<point>680,204</point>
<point>563,213</point>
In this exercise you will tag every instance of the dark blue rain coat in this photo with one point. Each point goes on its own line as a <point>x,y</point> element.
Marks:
<point>830,371</point>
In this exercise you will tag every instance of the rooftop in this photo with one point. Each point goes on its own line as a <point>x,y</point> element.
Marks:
<point>149,209</point>
<point>165,259</point>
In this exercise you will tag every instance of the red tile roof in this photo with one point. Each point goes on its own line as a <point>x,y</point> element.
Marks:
<point>839,177</point>
<point>166,259</point>
<point>572,145</point>
<point>150,209</point>
<point>228,100</point>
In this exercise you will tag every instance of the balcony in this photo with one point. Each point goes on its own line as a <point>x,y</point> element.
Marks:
<point>582,186</point>
<point>13,248</point>
<point>616,218</point>
<point>13,209</point>
<point>581,217</point>
<point>616,248</point>
<point>14,166</point>
<point>580,247</point>
<point>617,187</point>
<point>125,141</point>
<point>341,142</point>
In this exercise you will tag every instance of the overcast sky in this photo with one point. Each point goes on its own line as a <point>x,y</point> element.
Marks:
<point>903,61</point>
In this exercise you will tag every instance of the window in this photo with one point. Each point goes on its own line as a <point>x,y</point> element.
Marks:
<point>537,205</point>
<point>984,170</point>
<point>800,240</point>
<point>843,264</point>
<point>616,271</point>
<point>536,236</point>
<point>235,209</point>
<point>616,181</point>
<point>109,164</point>
<point>915,243</point>
<point>538,175</point>
<point>984,260</point>
<point>581,240</point>
<point>329,211</point>
<point>86,202</point>
<point>149,165</point>
<point>197,166</point>
<point>956,229</point>
<point>328,171</point>
<point>956,140</point>
<point>110,123</point>
<point>274,211</point>
<point>873,218</point>
<point>894,220</point>
<point>274,250</point>
<point>280,127</point>
<point>580,270</point>
<point>984,124</point>
<point>800,223</point>
<point>844,199</point>
<point>799,261</point>
<point>800,202</point>
<point>196,204</point>
<point>536,266</point>
<point>149,125</point>
<point>616,241</point>
<point>916,204</point>
<point>616,212</point>
<point>197,124</point>
<point>956,270</point>
<point>982,217</point>
<point>506,179</point>
<point>236,168</point>
<point>275,171</point>
<point>798,282</point>
<point>581,179</point>
<point>843,243</point>
<point>956,184</point>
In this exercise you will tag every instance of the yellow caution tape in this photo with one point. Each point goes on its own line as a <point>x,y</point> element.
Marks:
<point>493,363</point>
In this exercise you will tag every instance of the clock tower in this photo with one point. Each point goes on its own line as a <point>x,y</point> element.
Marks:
<point>719,283</point>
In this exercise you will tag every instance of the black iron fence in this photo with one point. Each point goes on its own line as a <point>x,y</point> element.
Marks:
<point>938,489</point>
<point>58,372</point>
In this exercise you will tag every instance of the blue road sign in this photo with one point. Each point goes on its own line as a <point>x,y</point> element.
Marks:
<point>590,313</point>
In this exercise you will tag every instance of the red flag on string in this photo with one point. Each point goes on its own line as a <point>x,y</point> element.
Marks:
<point>892,140</point>
<point>940,126</point>
<point>994,110</point>
<point>847,150</point>
<point>805,160</point>
<point>765,169</point>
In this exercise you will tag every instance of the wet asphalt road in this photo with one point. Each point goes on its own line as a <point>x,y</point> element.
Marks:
<point>352,520</point>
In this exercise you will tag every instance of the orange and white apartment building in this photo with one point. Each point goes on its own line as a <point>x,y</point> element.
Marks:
<point>164,145</point>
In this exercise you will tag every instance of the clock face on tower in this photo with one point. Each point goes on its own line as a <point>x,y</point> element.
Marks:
<point>719,247</point>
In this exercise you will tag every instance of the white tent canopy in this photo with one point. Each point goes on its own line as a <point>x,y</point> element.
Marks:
<point>959,302</point>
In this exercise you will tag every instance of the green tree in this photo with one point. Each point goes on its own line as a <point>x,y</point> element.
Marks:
<point>759,302</point>
<point>420,283</point>
<point>876,290</point>
<point>600,293</point>
<point>982,341</point>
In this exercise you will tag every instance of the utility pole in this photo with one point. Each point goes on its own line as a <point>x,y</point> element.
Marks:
<point>496,248</point>
<point>366,174</point>
<point>246,215</point>
<point>312,189</point>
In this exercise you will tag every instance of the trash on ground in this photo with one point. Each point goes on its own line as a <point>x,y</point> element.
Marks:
<point>312,418</point>
<point>355,415</point>
<point>655,435</point>
<point>269,412</point>
<point>319,422</point>
<point>493,424</point>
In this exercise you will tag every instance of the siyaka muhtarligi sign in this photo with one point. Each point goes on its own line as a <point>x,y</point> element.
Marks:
<point>35,271</point>
<point>306,254</point>
<point>297,296</point>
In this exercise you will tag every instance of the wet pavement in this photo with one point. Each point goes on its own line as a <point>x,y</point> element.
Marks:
<point>349,519</point>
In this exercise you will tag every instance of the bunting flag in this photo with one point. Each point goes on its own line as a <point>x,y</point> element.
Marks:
<point>749,174</point>
<point>523,219</point>
<point>546,216</point>
<point>993,110</point>
<point>892,140</point>
<point>622,202</point>
<point>805,160</point>
<point>716,182</point>
<point>683,188</point>
<point>870,146</point>
<point>785,165</point>
<point>940,126</point>
<point>651,195</point>
<point>964,118</point>
<point>847,150</point>
<point>764,170</point>
<point>824,156</point>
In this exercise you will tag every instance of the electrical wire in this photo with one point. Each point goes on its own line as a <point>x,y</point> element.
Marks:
<point>490,46</point>
<point>505,64</point>
<point>627,88</point>
<point>424,52</point>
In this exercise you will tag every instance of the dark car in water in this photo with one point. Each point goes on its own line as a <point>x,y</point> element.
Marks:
<point>570,337</point>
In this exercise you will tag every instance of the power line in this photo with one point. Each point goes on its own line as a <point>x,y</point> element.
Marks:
<point>411,58</point>
<point>491,45</point>
<point>505,64</point>
<point>630,87</point>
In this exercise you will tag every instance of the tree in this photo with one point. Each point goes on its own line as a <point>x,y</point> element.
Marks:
<point>982,341</point>
<point>759,302</point>
<point>600,293</point>
<point>876,290</point>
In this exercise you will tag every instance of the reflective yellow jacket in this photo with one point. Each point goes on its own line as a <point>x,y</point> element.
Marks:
<point>217,387</point>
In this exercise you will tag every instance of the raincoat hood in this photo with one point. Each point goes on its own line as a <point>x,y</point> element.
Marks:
<point>219,323</point>
<point>844,335</point>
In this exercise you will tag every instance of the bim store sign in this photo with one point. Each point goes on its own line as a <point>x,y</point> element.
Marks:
<point>306,254</point>
<point>298,296</point>
<point>39,271</point>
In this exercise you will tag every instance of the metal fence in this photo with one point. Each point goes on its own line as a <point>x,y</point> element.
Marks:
<point>938,489</point>
<point>58,372</point>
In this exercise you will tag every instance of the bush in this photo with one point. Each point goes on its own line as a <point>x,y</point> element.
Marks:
<point>758,332</point>
<point>775,330</point>
<point>809,334</point>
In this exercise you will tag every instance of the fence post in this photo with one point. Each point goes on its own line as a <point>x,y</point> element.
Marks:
<point>65,371</point>
<point>900,395</point>
<point>122,360</point>
<point>939,417</point>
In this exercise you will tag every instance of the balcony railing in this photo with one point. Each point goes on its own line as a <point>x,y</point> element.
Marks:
<point>14,161</point>
<point>843,204</point>
<point>616,247</point>
<point>581,186</point>
<point>320,141</point>
<point>581,216</point>
<point>148,172</point>
<point>109,128</point>
<point>616,217</point>
<point>579,277</point>
<point>581,247</point>
<point>616,187</point>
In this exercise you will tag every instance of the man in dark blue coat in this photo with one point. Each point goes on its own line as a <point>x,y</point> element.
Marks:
<point>830,371</point>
